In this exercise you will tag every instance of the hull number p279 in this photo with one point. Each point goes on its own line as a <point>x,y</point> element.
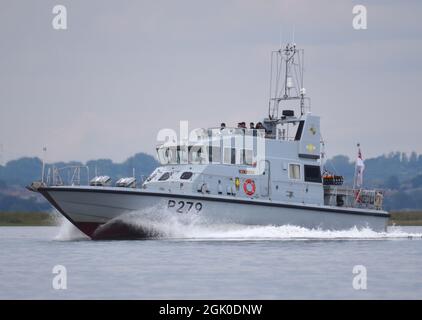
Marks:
<point>184,206</point>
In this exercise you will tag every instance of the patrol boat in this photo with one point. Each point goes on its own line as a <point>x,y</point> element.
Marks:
<point>268,174</point>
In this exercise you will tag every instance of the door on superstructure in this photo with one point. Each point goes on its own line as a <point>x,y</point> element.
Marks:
<point>265,178</point>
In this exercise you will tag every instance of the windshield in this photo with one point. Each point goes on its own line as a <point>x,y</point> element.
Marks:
<point>182,155</point>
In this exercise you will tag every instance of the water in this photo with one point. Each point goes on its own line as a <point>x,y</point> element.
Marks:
<point>212,262</point>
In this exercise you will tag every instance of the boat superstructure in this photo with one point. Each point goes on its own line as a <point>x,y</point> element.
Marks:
<point>270,173</point>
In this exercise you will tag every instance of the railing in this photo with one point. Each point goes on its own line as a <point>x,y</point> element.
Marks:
<point>54,175</point>
<point>354,198</point>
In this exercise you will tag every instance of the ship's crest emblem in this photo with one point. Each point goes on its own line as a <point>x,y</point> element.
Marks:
<point>310,147</point>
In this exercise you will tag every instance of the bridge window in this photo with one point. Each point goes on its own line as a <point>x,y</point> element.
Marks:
<point>229,156</point>
<point>165,176</point>
<point>248,157</point>
<point>214,154</point>
<point>182,155</point>
<point>312,173</point>
<point>198,155</point>
<point>168,155</point>
<point>195,154</point>
<point>186,175</point>
<point>294,171</point>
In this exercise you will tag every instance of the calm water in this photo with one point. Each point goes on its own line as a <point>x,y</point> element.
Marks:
<point>227,262</point>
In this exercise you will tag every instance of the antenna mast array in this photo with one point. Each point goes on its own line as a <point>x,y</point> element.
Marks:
<point>286,79</point>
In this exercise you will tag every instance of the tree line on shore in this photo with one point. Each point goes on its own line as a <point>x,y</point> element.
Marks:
<point>397,173</point>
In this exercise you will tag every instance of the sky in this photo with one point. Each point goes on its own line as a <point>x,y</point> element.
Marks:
<point>123,70</point>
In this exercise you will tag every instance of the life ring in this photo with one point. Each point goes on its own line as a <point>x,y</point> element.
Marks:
<point>249,187</point>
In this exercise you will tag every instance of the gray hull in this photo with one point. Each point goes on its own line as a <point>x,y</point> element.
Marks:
<point>88,208</point>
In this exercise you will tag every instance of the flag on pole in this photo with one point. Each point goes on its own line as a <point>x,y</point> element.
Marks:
<point>360,166</point>
<point>44,149</point>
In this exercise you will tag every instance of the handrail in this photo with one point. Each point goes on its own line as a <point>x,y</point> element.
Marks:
<point>76,175</point>
<point>357,198</point>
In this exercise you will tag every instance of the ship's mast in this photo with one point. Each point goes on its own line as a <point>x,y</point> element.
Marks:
<point>286,80</point>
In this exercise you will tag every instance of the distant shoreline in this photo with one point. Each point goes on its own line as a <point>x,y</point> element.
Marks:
<point>28,219</point>
<point>40,219</point>
<point>406,218</point>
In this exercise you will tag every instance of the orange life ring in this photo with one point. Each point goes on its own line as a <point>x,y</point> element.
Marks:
<point>249,187</point>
